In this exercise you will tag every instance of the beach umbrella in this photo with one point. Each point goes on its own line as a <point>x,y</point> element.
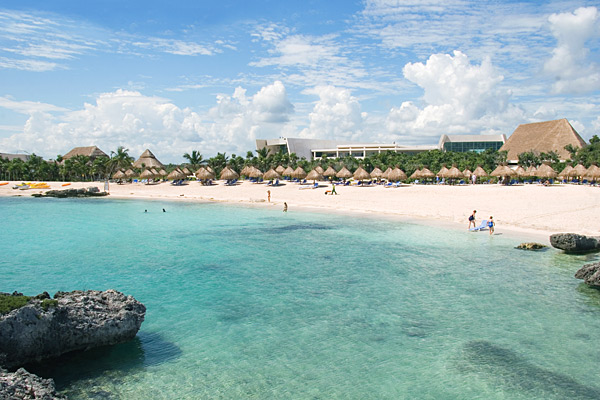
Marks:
<point>593,172</point>
<point>130,173</point>
<point>246,170</point>
<point>415,175</point>
<point>376,173</point>
<point>360,174</point>
<point>454,173</point>
<point>271,175</point>
<point>531,171</point>
<point>176,174</point>
<point>578,170</point>
<point>162,172</point>
<point>186,171</point>
<point>396,175</point>
<point>443,173</point>
<point>319,169</point>
<point>119,175</point>
<point>386,173</point>
<point>480,171</point>
<point>288,171</point>
<point>209,169</point>
<point>565,172</point>
<point>499,171</point>
<point>154,172</point>
<point>314,175</point>
<point>203,174</point>
<point>147,160</point>
<point>344,173</point>
<point>426,173</point>
<point>299,173</point>
<point>228,174</point>
<point>279,169</point>
<point>520,171</point>
<point>147,174</point>
<point>467,173</point>
<point>546,171</point>
<point>255,173</point>
<point>329,172</point>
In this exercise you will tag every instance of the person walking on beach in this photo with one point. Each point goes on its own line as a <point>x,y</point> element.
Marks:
<point>268,196</point>
<point>491,225</point>
<point>472,220</point>
<point>333,189</point>
<point>284,206</point>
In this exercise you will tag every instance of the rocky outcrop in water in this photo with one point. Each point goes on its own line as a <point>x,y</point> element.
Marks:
<point>77,320</point>
<point>531,246</point>
<point>590,273</point>
<point>574,243</point>
<point>91,191</point>
<point>23,385</point>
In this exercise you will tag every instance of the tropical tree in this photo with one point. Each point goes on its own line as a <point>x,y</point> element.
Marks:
<point>195,159</point>
<point>119,159</point>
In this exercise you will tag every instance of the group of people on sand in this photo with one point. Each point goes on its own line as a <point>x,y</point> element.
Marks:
<point>490,222</point>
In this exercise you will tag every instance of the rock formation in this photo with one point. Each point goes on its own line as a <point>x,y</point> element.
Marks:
<point>574,243</point>
<point>91,191</point>
<point>530,246</point>
<point>26,386</point>
<point>590,273</point>
<point>78,320</point>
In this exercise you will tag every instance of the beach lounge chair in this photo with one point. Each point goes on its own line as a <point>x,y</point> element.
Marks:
<point>481,226</point>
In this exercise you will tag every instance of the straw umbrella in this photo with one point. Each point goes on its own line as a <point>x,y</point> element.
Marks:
<point>119,175</point>
<point>155,172</point>
<point>289,171</point>
<point>593,172</point>
<point>176,174</point>
<point>204,175</point>
<point>443,172</point>
<point>360,174</point>
<point>546,171</point>
<point>480,171</point>
<point>344,173</point>
<point>467,173</point>
<point>578,171</point>
<point>454,173</point>
<point>566,171</point>
<point>186,171</point>
<point>229,174</point>
<point>271,175</point>
<point>314,175</point>
<point>386,173</point>
<point>246,170</point>
<point>376,173</point>
<point>319,169</point>
<point>130,173</point>
<point>330,172</point>
<point>279,169</point>
<point>255,173</point>
<point>498,172</point>
<point>426,173</point>
<point>299,173</point>
<point>396,175</point>
<point>531,171</point>
<point>415,175</point>
<point>520,171</point>
<point>147,174</point>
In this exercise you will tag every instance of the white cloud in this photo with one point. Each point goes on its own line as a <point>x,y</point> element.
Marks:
<point>569,65</point>
<point>177,47</point>
<point>336,115</point>
<point>458,98</point>
<point>300,50</point>
<point>137,122</point>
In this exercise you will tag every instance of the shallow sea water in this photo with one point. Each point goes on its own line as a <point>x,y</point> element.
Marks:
<point>247,303</point>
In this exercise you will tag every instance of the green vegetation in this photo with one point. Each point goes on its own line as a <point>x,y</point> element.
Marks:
<point>9,302</point>
<point>47,303</point>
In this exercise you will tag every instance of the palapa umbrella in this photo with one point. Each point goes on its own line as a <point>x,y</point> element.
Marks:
<point>255,173</point>
<point>186,171</point>
<point>154,172</point>
<point>546,171</point>
<point>520,171</point>
<point>480,171</point>
<point>396,175</point>
<point>204,174</point>
<point>467,173</point>
<point>147,174</point>
<point>228,174</point>
<point>499,171</point>
<point>288,171</point>
<point>566,171</point>
<point>119,175</point>
<point>376,173</point>
<point>130,173</point>
<point>299,173</point>
<point>271,175</point>
<point>578,170</point>
<point>329,172</point>
<point>344,173</point>
<point>415,175</point>
<point>176,174</point>
<point>593,172</point>
<point>314,175</point>
<point>443,173</point>
<point>246,170</point>
<point>426,173</point>
<point>386,173</point>
<point>454,173</point>
<point>279,169</point>
<point>531,170</point>
<point>319,169</point>
<point>162,172</point>
<point>360,174</point>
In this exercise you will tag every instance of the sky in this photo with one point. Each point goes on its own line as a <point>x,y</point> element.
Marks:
<point>214,76</point>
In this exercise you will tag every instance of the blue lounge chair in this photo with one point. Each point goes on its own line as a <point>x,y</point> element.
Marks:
<point>481,226</point>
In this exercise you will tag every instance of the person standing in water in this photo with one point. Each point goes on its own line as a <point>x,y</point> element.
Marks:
<point>491,225</point>
<point>284,206</point>
<point>472,220</point>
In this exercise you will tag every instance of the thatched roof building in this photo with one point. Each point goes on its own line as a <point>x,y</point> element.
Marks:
<point>149,161</point>
<point>542,137</point>
<point>90,151</point>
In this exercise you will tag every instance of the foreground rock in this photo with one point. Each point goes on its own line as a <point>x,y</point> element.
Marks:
<point>77,320</point>
<point>91,191</point>
<point>23,385</point>
<point>590,273</point>
<point>531,246</point>
<point>574,243</point>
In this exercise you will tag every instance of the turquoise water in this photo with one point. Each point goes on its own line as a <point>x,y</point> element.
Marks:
<point>249,303</point>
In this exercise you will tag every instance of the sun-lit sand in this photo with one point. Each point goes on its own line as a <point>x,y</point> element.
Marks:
<point>532,209</point>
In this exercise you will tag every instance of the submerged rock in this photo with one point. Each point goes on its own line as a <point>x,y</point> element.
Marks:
<point>574,243</point>
<point>590,273</point>
<point>531,246</point>
<point>91,191</point>
<point>23,385</point>
<point>79,320</point>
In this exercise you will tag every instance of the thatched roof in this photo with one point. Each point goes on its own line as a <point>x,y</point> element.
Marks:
<point>130,173</point>
<point>565,172</point>
<point>319,169</point>
<point>578,170</point>
<point>386,173</point>
<point>119,175</point>
<point>396,175</point>
<point>149,161</point>
<point>442,173</point>
<point>176,174</point>
<point>454,173</point>
<point>279,169</point>
<point>288,171</point>
<point>531,170</point>
<point>314,175</point>
<point>543,137</point>
<point>255,173</point>
<point>147,174</point>
<point>545,171</point>
<point>89,151</point>
<point>593,172</point>
<point>360,174</point>
<point>415,175</point>
<point>330,172</point>
<point>299,173</point>
<point>271,174</point>
<point>467,173</point>
<point>204,174</point>
<point>520,171</point>
<point>228,174</point>
<point>480,171</point>
<point>344,173</point>
<point>426,173</point>
<point>376,173</point>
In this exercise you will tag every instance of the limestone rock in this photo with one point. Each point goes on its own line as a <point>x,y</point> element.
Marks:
<point>531,246</point>
<point>574,243</point>
<point>77,320</point>
<point>590,273</point>
<point>23,385</point>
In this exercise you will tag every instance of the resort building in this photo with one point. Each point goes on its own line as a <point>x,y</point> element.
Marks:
<point>542,137</point>
<point>475,143</point>
<point>10,157</point>
<point>148,160</point>
<point>90,151</point>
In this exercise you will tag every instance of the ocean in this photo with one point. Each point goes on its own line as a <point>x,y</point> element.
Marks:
<point>253,303</point>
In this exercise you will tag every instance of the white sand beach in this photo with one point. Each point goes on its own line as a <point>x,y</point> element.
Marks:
<point>532,209</point>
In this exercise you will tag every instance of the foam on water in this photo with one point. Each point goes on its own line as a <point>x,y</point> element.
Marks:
<point>254,303</point>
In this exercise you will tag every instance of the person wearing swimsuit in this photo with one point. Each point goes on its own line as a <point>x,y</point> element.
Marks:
<point>491,224</point>
<point>472,220</point>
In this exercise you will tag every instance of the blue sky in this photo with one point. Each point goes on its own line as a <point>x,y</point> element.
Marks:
<point>215,76</point>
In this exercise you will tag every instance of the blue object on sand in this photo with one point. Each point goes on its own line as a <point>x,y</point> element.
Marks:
<point>482,226</point>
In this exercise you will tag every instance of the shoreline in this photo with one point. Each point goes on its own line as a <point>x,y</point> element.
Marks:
<point>523,210</point>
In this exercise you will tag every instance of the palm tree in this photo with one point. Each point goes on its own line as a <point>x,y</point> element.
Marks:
<point>195,159</point>
<point>119,159</point>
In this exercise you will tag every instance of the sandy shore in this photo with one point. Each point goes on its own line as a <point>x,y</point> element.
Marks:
<point>529,209</point>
